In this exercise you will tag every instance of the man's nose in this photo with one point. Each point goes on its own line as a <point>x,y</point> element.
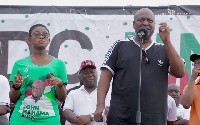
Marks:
<point>34,90</point>
<point>90,74</point>
<point>145,22</point>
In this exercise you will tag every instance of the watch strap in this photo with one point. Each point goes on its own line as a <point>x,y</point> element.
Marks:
<point>15,88</point>
<point>92,117</point>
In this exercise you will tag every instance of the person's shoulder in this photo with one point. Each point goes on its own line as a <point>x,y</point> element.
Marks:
<point>125,41</point>
<point>57,60</point>
<point>3,79</point>
<point>75,91</point>
<point>23,61</point>
<point>20,61</point>
<point>158,45</point>
<point>73,88</point>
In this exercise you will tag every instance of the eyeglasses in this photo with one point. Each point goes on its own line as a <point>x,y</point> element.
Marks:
<point>37,34</point>
<point>145,57</point>
<point>197,62</point>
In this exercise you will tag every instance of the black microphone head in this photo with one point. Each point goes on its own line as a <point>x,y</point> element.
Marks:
<point>142,32</point>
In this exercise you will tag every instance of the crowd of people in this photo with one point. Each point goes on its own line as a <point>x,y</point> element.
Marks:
<point>38,84</point>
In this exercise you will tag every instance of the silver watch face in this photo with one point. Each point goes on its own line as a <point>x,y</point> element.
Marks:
<point>92,117</point>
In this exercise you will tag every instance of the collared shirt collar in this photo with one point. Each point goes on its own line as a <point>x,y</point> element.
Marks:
<point>39,99</point>
<point>83,88</point>
<point>132,38</point>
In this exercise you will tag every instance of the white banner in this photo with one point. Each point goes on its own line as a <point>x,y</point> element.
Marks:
<point>77,37</point>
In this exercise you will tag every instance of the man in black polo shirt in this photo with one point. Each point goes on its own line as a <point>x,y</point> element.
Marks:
<point>122,64</point>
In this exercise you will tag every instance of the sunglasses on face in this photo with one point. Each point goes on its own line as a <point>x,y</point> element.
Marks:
<point>37,35</point>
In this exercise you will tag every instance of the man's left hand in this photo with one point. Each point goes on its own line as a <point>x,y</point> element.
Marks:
<point>84,119</point>
<point>164,32</point>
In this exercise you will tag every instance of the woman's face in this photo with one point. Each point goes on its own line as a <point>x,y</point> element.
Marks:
<point>39,38</point>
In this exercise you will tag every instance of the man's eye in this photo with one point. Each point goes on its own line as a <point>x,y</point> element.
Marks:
<point>150,21</point>
<point>141,20</point>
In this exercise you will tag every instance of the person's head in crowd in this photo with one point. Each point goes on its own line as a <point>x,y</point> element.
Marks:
<point>174,92</point>
<point>37,88</point>
<point>88,74</point>
<point>144,17</point>
<point>195,58</point>
<point>39,36</point>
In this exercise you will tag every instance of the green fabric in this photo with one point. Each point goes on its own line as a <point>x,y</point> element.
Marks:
<point>44,111</point>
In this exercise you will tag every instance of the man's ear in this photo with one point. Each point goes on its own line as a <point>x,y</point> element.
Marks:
<point>80,79</point>
<point>79,76</point>
<point>133,24</point>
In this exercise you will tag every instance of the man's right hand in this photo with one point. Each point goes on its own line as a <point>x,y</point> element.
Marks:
<point>98,114</point>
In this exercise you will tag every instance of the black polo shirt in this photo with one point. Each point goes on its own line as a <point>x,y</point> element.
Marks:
<point>123,61</point>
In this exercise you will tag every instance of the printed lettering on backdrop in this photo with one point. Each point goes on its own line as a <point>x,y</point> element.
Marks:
<point>83,33</point>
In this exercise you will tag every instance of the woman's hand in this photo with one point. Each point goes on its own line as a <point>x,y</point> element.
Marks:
<point>18,80</point>
<point>54,81</point>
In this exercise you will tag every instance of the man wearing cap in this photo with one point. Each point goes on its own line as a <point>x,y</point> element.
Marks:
<point>80,104</point>
<point>192,94</point>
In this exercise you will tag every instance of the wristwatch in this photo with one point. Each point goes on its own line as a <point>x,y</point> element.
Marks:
<point>92,117</point>
<point>15,87</point>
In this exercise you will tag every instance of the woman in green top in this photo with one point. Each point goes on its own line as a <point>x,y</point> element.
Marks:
<point>50,78</point>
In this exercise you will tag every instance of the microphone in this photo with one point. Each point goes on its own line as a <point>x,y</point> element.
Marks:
<point>142,32</point>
